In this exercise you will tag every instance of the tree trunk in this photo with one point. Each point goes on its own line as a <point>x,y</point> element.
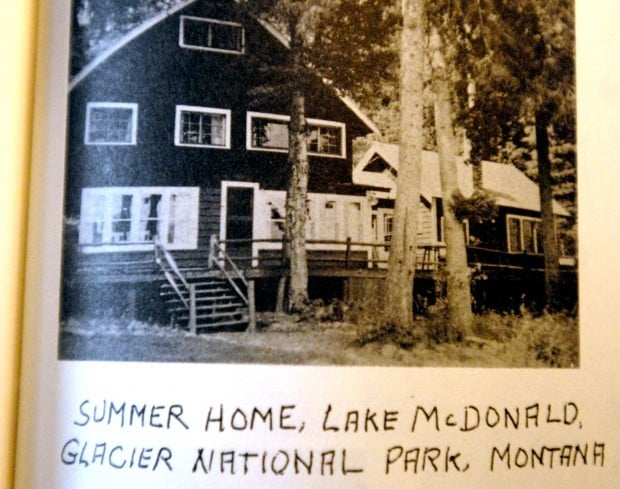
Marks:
<point>401,266</point>
<point>296,197</point>
<point>460,315</point>
<point>550,241</point>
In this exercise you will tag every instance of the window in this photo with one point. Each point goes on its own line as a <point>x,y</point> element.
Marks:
<point>277,221</point>
<point>524,235</point>
<point>388,221</point>
<point>202,127</point>
<point>324,140</point>
<point>111,123</point>
<point>439,223</point>
<point>211,35</point>
<point>269,132</point>
<point>130,218</point>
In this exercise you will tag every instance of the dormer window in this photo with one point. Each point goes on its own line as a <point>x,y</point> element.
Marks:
<point>211,35</point>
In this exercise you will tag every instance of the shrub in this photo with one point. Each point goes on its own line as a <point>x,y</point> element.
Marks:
<point>388,332</point>
<point>367,316</point>
<point>496,327</point>
<point>479,207</point>
<point>553,339</point>
<point>550,339</point>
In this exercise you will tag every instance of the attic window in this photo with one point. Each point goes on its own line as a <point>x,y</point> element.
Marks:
<point>111,123</point>
<point>202,127</point>
<point>211,35</point>
<point>269,132</point>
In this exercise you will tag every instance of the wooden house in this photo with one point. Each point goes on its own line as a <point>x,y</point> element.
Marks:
<point>177,170</point>
<point>505,249</point>
<point>178,137</point>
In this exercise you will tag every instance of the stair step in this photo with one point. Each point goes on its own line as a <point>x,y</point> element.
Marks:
<point>202,298</point>
<point>221,324</point>
<point>217,303</point>
<point>213,317</point>
<point>185,293</point>
<point>197,285</point>
<point>205,307</point>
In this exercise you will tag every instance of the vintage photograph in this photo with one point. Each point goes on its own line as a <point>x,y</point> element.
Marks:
<point>301,182</point>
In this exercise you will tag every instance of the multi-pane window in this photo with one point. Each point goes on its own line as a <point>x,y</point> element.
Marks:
<point>325,140</point>
<point>131,218</point>
<point>270,132</point>
<point>111,123</point>
<point>202,127</point>
<point>211,35</point>
<point>524,235</point>
<point>277,216</point>
<point>388,221</point>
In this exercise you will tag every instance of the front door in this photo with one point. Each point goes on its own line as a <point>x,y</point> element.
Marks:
<point>239,212</point>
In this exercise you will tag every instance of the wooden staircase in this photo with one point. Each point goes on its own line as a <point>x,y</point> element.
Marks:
<point>216,304</point>
<point>218,300</point>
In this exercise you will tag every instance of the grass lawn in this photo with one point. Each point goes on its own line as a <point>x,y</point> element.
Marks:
<point>280,340</point>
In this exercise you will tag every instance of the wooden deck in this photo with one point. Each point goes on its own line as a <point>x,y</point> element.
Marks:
<point>204,282</point>
<point>342,260</point>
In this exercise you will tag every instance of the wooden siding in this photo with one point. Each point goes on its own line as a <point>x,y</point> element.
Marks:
<point>153,72</point>
<point>209,216</point>
<point>425,231</point>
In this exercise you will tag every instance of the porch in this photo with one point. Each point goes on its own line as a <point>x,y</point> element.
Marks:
<point>218,290</point>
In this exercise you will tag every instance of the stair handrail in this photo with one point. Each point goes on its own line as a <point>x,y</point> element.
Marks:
<point>216,252</point>
<point>172,272</point>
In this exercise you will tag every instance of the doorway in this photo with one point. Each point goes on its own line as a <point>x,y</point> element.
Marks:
<point>238,221</point>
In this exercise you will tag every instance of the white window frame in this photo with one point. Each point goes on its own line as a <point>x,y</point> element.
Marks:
<point>521,219</point>
<point>202,110</point>
<point>187,240</point>
<point>437,222</point>
<point>112,105</point>
<point>388,222</point>
<point>309,121</point>
<point>206,20</point>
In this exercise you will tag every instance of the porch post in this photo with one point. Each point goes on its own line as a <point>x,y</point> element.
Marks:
<point>251,306</point>
<point>281,291</point>
<point>347,253</point>
<point>192,309</point>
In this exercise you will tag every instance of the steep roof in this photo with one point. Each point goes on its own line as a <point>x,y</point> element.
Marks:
<point>128,37</point>
<point>136,32</point>
<point>510,187</point>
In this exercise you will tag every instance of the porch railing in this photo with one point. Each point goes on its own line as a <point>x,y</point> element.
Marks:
<point>345,253</point>
<point>220,259</point>
<point>177,281</point>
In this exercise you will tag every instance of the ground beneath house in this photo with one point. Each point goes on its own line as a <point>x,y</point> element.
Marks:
<point>281,339</point>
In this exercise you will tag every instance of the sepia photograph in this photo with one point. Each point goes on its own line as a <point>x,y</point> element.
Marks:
<point>304,182</point>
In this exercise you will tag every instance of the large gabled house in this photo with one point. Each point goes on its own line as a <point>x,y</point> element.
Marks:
<point>178,135</point>
<point>171,119</point>
<point>177,158</point>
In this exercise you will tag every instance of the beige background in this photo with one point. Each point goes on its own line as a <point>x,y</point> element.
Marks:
<point>52,390</point>
<point>17,20</point>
